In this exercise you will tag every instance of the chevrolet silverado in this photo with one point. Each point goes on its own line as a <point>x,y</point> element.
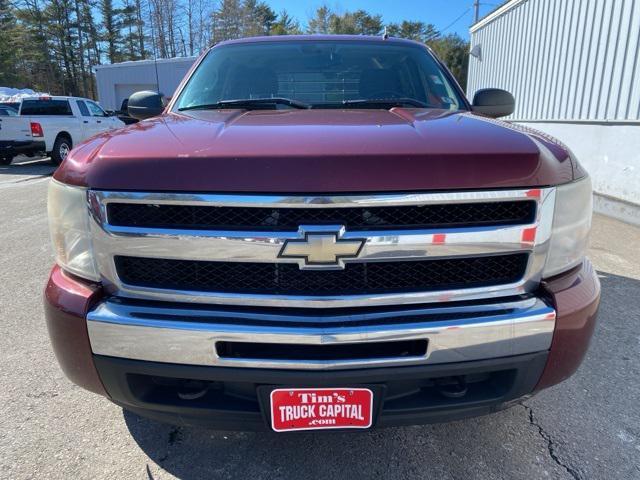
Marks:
<point>320,232</point>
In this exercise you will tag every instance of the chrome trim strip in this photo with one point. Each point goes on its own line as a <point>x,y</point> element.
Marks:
<point>245,246</point>
<point>326,301</point>
<point>145,333</point>
<point>265,246</point>
<point>311,201</point>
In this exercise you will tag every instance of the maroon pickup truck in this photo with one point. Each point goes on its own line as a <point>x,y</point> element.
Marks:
<point>320,232</point>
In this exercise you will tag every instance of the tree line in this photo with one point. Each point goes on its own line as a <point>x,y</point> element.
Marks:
<point>54,45</point>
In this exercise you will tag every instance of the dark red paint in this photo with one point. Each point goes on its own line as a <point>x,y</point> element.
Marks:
<point>289,151</point>
<point>576,297</point>
<point>67,302</point>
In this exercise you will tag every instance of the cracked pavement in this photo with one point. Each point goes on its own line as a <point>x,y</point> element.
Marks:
<point>585,428</point>
<point>551,446</point>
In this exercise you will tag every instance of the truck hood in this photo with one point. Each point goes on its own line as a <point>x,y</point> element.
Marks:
<point>304,151</point>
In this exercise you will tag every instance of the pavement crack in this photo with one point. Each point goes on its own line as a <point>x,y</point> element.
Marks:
<point>149,474</point>
<point>551,446</point>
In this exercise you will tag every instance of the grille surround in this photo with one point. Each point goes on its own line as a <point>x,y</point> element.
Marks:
<point>399,217</point>
<point>356,279</point>
<point>110,241</point>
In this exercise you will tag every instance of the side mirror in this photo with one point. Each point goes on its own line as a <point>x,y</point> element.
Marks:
<point>145,104</point>
<point>493,102</point>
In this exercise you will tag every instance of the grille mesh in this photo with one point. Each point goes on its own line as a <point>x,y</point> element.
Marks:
<point>289,219</point>
<point>288,279</point>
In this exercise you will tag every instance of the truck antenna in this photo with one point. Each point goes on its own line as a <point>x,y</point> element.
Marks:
<point>153,42</point>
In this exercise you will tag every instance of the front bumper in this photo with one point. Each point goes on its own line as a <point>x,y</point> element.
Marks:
<point>192,336</point>
<point>503,356</point>
<point>238,398</point>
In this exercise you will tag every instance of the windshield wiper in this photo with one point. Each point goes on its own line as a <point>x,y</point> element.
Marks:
<point>393,102</point>
<point>247,103</point>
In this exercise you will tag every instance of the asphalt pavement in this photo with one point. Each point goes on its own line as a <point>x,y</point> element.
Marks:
<point>585,428</point>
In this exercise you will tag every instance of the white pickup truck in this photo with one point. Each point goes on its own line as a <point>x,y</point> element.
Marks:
<point>52,125</point>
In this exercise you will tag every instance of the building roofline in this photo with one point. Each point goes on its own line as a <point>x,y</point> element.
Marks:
<point>498,12</point>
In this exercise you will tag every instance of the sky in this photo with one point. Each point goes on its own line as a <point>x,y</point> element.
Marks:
<point>442,13</point>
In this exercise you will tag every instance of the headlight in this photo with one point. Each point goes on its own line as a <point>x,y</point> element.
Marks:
<point>70,233</point>
<point>571,226</point>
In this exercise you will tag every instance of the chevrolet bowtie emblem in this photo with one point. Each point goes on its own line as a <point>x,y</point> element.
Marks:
<point>321,249</point>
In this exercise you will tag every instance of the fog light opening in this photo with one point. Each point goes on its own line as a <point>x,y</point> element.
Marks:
<point>193,390</point>
<point>452,387</point>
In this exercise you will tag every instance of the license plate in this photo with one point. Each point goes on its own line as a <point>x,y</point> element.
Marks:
<point>320,408</point>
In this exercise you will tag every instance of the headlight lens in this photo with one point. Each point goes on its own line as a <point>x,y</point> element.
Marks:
<point>571,227</point>
<point>70,233</point>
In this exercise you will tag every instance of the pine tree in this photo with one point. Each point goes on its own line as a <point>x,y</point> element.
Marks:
<point>227,21</point>
<point>320,22</point>
<point>129,26</point>
<point>418,31</point>
<point>355,23</point>
<point>258,17</point>
<point>8,54</point>
<point>286,25</point>
<point>111,30</point>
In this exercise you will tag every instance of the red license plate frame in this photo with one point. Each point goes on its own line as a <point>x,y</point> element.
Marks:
<point>297,409</point>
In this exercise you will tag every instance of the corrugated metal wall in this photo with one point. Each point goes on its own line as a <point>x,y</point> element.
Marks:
<point>562,59</point>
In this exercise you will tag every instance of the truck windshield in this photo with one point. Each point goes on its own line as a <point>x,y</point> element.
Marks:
<point>319,74</point>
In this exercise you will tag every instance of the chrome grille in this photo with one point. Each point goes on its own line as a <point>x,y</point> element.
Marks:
<point>289,219</point>
<point>288,279</point>
<point>438,255</point>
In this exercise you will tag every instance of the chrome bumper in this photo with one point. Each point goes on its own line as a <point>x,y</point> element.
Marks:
<point>188,336</point>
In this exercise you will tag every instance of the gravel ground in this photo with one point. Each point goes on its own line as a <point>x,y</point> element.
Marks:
<point>586,428</point>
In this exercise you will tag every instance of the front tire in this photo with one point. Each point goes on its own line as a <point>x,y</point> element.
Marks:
<point>6,160</point>
<point>61,149</point>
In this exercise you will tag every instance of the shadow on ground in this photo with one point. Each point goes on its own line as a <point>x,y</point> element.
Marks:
<point>533,441</point>
<point>28,167</point>
<point>444,451</point>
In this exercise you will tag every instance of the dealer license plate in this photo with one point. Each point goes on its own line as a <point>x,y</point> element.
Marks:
<point>320,408</point>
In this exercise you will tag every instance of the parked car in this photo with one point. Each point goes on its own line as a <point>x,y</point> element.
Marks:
<point>320,232</point>
<point>56,125</point>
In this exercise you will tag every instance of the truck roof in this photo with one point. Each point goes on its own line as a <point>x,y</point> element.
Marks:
<point>321,37</point>
<point>54,97</point>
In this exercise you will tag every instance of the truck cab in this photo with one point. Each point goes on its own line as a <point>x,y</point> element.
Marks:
<point>320,232</point>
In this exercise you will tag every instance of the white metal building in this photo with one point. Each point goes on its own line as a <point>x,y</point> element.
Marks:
<point>119,80</point>
<point>574,68</point>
